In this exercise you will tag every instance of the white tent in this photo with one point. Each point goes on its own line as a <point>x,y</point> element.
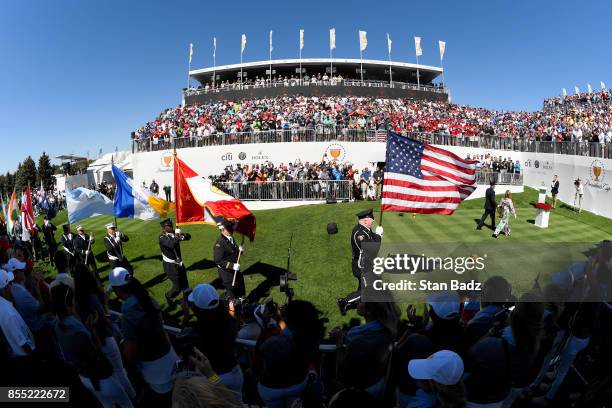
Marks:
<point>101,168</point>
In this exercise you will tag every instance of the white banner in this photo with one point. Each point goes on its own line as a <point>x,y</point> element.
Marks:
<point>417,46</point>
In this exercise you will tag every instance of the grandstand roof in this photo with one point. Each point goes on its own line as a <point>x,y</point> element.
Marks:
<point>349,68</point>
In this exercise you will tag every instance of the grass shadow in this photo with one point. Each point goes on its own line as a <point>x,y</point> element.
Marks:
<point>271,274</point>
<point>531,222</point>
<point>202,264</point>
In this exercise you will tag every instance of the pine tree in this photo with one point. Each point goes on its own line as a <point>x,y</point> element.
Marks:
<point>26,173</point>
<point>45,172</point>
<point>10,183</point>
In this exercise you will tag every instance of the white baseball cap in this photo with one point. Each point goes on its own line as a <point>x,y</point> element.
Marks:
<point>444,367</point>
<point>5,278</point>
<point>204,296</point>
<point>118,277</point>
<point>14,264</point>
<point>444,304</point>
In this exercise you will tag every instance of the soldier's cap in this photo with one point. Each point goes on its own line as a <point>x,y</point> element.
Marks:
<point>166,223</point>
<point>226,224</point>
<point>369,213</point>
<point>110,225</point>
<point>80,228</point>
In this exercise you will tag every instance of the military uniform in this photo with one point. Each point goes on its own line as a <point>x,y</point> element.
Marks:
<point>67,242</point>
<point>81,244</point>
<point>170,246</point>
<point>48,230</point>
<point>225,255</point>
<point>114,249</point>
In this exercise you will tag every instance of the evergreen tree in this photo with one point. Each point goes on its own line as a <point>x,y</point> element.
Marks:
<point>26,174</point>
<point>45,172</point>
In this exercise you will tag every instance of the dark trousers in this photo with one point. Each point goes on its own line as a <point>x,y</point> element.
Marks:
<point>232,292</point>
<point>487,213</point>
<point>177,274</point>
<point>51,248</point>
<point>168,196</point>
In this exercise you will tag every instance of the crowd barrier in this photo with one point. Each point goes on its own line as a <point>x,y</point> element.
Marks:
<point>313,190</point>
<point>313,82</point>
<point>340,134</point>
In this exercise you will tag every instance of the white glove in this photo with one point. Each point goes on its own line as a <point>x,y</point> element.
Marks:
<point>87,252</point>
<point>117,238</point>
<point>236,267</point>
<point>241,248</point>
<point>177,231</point>
<point>379,230</point>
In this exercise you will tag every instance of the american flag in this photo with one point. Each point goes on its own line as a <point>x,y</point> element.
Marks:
<point>378,136</point>
<point>420,178</point>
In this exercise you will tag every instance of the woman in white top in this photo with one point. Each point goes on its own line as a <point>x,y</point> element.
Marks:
<point>579,193</point>
<point>506,207</point>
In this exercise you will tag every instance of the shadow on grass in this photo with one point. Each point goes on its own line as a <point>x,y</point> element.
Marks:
<point>531,222</point>
<point>271,274</point>
<point>202,264</point>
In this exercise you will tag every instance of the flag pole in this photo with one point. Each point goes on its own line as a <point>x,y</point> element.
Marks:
<point>189,67</point>
<point>270,57</point>
<point>214,62</point>
<point>238,261</point>
<point>300,46</point>
<point>418,72</point>
<point>114,214</point>
<point>390,71</point>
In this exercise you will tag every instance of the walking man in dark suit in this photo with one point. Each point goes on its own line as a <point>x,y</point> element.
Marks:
<point>489,206</point>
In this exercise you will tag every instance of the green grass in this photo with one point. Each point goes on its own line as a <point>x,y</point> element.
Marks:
<point>321,261</point>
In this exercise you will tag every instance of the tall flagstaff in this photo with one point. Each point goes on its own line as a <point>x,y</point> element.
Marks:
<point>363,43</point>
<point>419,52</point>
<point>389,50</point>
<point>242,47</point>
<point>301,46</point>
<point>332,46</point>
<point>442,46</point>
<point>271,48</point>
<point>189,65</point>
<point>214,61</point>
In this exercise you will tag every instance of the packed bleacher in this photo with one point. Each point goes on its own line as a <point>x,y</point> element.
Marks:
<point>548,347</point>
<point>585,117</point>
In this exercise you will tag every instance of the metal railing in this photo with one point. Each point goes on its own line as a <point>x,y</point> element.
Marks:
<point>301,190</point>
<point>323,133</point>
<point>237,86</point>
<point>508,179</point>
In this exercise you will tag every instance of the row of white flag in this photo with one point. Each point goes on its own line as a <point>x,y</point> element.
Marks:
<point>589,88</point>
<point>363,43</point>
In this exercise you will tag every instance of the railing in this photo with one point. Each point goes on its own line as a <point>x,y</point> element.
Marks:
<point>507,179</point>
<point>314,82</point>
<point>340,134</point>
<point>302,190</point>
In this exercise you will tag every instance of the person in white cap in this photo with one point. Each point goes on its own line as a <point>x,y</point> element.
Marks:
<point>83,249</point>
<point>15,330</point>
<point>440,374</point>
<point>145,343</point>
<point>28,306</point>
<point>113,241</point>
<point>219,345</point>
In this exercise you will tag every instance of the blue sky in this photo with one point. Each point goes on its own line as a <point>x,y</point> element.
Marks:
<point>77,76</point>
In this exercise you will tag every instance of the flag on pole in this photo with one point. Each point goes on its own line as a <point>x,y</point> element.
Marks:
<point>27,210</point>
<point>12,214</point>
<point>442,45</point>
<point>417,46</point>
<point>389,43</point>
<point>83,203</point>
<point>421,178</point>
<point>576,89</point>
<point>603,86</point>
<point>564,92</point>
<point>243,43</point>
<point>363,40</point>
<point>214,46</point>
<point>190,52</point>
<point>198,201</point>
<point>134,201</point>
<point>301,39</point>
<point>271,48</point>
<point>589,89</point>
<point>332,38</point>
<point>3,215</point>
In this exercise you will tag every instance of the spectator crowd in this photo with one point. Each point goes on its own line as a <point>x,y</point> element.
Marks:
<point>584,117</point>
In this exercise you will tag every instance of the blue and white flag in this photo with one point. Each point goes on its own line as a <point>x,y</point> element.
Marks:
<point>83,203</point>
<point>133,201</point>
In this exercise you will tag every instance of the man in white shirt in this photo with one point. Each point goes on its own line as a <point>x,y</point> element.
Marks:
<point>18,336</point>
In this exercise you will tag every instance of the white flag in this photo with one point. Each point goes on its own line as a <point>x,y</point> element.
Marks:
<point>576,89</point>
<point>190,52</point>
<point>417,46</point>
<point>301,39</point>
<point>603,86</point>
<point>243,43</point>
<point>363,40</point>
<point>442,45</point>
<point>332,38</point>
<point>564,92</point>
<point>214,46</point>
<point>389,43</point>
<point>589,88</point>
<point>271,48</point>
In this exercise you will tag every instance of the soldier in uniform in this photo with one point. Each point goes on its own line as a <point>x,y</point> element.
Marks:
<point>48,230</point>
<point>361,234</point>
<point>67,241</point>
<point>113,241</point>
<point>83,250</point>
<point>225,255</point>
<point>170,246</point>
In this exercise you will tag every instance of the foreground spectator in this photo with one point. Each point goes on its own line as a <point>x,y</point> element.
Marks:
<point>440,375</point>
